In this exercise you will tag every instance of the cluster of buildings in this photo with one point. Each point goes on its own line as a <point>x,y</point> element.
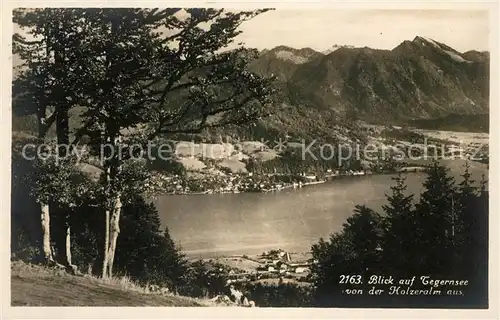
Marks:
<point>275,264</point>
<point>209,184</point>
<point>212,184</point>
<point>285,268</point>
<point>473,151</point>
<point>477,151</point>
<point>279,261</point>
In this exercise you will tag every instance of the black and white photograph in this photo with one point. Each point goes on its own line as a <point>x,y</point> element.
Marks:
<point>260,157</point>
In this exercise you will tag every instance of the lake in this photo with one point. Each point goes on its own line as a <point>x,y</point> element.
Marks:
<point>292,219</point>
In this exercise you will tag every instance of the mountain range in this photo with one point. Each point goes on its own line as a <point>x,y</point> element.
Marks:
<point>418,79</point>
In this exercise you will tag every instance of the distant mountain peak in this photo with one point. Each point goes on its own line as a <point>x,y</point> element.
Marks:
<point>442,48</point>
<point>336,47</point>
<point>421,39</point>
<point>419,78</point>
<point>296,56</point>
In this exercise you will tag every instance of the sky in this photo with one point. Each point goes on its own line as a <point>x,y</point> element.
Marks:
<point>320,29</point>
<point>462,30</point>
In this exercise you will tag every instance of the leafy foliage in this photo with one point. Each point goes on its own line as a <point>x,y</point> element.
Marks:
<point>205,279</point>
<point>51,177</point>
<point>147,254</point>
<point>435,212</point>
<point>400,219</point>
<point>136,73</point>
<point>354,251</point>
<point>283,295</point>
<point>443,236</point>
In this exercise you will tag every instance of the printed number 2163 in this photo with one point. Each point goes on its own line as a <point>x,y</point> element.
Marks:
<point>352,279</point>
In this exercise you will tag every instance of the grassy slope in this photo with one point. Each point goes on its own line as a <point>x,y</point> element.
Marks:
<point>33,285</point>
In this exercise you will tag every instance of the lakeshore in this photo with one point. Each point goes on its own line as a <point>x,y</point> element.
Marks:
<point>240,183</point>
<point>248,223</point>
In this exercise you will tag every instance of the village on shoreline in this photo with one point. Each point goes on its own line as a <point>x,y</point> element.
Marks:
<point>252,167</point>
<point>238,168</point>
<point>239,182</point>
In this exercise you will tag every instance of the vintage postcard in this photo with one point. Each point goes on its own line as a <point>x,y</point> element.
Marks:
<point>246,157</point>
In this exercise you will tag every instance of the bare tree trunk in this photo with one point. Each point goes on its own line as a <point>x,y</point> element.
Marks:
<point>114,231</point>
<point>68,263</point>
<point>114,223</point>
<point>105,259</point>
<point>68,245</point>
<point>44,207</point>
<point>45,220</point>
<point>62,131</point>
<point>108,134</point>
